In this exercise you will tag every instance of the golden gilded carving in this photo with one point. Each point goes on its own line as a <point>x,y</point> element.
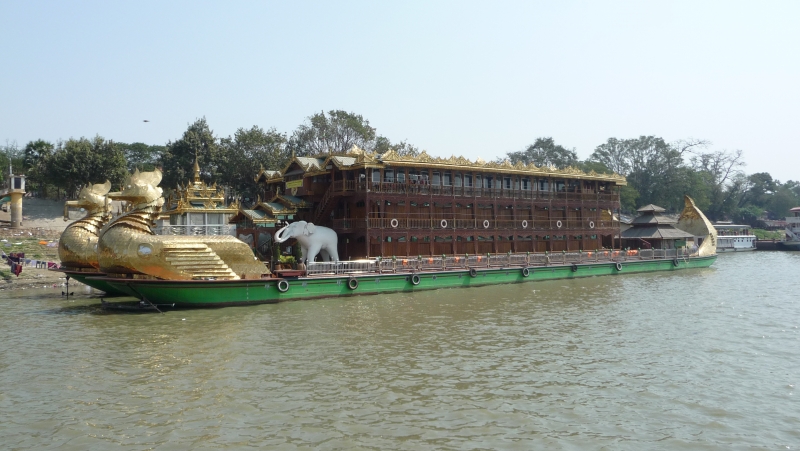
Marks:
<point>77,247</point>
<point>693,221</point>
<point>127,245</point>
<point>358,158</point>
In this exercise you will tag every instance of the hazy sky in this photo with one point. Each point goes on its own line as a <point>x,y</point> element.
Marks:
<point>477,79</point>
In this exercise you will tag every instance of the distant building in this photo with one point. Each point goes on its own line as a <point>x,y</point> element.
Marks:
<point>653,230</point>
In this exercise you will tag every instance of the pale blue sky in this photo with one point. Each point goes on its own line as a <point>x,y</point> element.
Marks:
<point>477,79</point>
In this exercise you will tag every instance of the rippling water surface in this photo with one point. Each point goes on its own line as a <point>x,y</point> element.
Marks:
<point>697,359</point>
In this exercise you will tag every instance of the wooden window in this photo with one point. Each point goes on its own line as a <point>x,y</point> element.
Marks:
<point>544,185</point>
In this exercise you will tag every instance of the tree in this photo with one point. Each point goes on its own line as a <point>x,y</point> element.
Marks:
<point>141,156</point>
<point>725,178</point>
<point>784,199</point>
<point>11,155</point>
<point>245,151</point>
<point>627,198</point>
<point>332,133</point>
<point>657,171</point>
<point>403,148</point>
<point>197,143</point>
<point>35,152</point>
<point>35,160</point>
<point>80,161</point>
<point>589,166</point>
<point>759,189</point>
<point>613,154</point>
<point>545,152</point>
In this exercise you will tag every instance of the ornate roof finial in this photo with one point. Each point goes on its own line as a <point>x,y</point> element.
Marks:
<point>196,169</point>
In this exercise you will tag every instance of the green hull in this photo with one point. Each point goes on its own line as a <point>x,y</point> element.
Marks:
<point>94,280</point>
<point>211,293</point>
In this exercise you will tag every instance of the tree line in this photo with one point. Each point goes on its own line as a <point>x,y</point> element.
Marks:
<point>657,172</point>
<point>662,173</point>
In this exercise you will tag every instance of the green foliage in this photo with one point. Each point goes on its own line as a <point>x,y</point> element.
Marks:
<point>36,154</point>
<point>334,132</point>
<point>13,155</point>
<point>614,155</point>
<point>245,151</point>
<point>589,166</point>
<point>724,179</point>
<point>750,215</point>
<point>762,234</point>
<point>286,259</point>
<point>403,148</point>
<point>545,152</point>
<point>659,173</point>
<point>198,142</point>
<point>784,199</point>
<point>627,198</point>
<point>141,156</point>
<point>79,161</point>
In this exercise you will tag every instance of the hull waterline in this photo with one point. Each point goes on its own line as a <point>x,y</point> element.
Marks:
<point>213,293</point>
<point>95,280</point>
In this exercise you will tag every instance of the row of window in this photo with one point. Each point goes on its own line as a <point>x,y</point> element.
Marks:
<point>447,239</point>
<point>437,178</point>
<point>199,219</point>
<point>480,206</point>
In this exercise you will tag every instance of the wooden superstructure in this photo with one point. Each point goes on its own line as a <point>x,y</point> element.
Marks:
<point>392,205</point>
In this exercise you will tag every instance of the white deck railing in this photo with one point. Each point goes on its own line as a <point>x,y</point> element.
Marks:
<point>217,229</point>
<point>509,260</point>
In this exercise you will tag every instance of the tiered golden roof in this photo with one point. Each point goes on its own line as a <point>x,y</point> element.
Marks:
<point>198,197</point>
<point>357,158</point>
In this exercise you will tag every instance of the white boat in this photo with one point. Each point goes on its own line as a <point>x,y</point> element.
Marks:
<point>734,238</point>
<point>793,230</point>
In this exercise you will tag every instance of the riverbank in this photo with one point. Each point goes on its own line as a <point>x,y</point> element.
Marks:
<point>43,222</point>
<point>32,277</point>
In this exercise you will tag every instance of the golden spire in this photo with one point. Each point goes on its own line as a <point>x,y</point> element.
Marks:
<point>196,170</point>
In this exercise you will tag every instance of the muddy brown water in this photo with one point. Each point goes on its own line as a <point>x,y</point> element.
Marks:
<point>696,359</point>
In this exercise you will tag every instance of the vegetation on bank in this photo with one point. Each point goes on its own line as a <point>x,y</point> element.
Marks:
<point>658,172</point>
<point>762,234</point>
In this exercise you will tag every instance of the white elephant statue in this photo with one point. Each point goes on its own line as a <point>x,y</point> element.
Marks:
<point>313,240</point>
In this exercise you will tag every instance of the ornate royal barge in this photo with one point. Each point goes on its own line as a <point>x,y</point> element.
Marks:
<point>384,205</point>
<point>404,224</point>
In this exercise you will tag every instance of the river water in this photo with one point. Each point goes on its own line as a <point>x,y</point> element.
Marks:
<point>696,359</point>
